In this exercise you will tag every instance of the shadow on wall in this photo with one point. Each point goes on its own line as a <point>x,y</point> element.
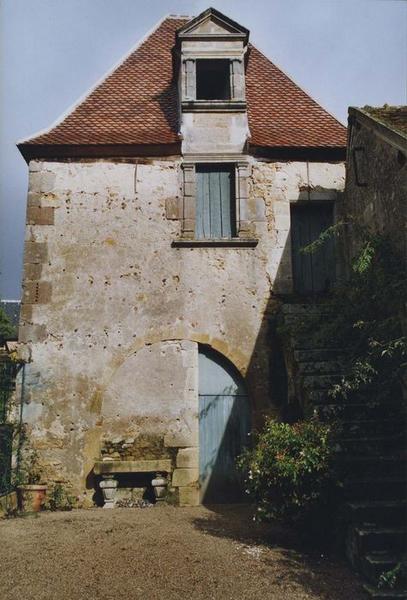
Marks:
<point>271,389</point>
<point>278,397</point>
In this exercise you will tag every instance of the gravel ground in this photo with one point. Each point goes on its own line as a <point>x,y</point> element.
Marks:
<point>162,552</point>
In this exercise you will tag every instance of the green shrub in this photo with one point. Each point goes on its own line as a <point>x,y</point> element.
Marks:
<point>59,499</point>
<point>289,473</point>
<point>7,330</point>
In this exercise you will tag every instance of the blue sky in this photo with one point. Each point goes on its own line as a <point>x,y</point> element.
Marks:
<point>342,52</point>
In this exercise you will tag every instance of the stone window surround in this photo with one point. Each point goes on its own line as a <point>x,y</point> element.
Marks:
<point>237,100</point>
<point>242,173</point>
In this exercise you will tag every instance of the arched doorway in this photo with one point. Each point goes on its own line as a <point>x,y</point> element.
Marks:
<point>224,425</point>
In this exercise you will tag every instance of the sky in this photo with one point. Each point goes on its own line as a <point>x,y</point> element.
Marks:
<point>342,52</point>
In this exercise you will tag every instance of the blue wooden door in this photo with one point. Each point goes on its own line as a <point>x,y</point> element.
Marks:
<point>224,424</point>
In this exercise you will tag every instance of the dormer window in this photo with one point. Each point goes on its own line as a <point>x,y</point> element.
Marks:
<point>212,79</point>
<point>211,49</point>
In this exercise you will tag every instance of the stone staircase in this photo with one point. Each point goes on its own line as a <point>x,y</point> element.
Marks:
<point>371,455</point>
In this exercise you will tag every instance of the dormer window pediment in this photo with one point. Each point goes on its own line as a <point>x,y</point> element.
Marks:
<point>213,24</point>
<point>212,49</point>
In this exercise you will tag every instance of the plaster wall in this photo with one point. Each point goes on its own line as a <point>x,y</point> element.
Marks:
<point>214,133</point>
<point>112,314</point>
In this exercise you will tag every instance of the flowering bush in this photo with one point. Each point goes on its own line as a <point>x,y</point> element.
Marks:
<point>289,472</point>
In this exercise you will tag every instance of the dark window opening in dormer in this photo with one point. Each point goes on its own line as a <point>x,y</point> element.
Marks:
<point>212,79</point>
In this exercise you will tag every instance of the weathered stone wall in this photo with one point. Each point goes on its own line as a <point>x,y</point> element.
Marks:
<point>376,185</point>
<point>112,314</point>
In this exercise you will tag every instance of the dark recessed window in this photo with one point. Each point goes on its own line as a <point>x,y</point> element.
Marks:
<point>212,79</point>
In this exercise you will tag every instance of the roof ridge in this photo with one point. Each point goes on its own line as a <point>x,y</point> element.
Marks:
<point>186,17</point>
<point>98,83</point>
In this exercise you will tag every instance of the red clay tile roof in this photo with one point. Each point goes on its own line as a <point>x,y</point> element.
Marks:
<point>282,114</point>
<point>137,105</point>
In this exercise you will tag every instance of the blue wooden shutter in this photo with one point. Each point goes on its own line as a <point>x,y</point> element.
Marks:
<point>214,205</point>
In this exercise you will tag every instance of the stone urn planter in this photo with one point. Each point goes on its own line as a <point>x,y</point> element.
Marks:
<point>159,484</point>
<point>31,497</point>
<point>108,485</point>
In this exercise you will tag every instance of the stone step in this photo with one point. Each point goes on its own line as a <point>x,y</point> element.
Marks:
<point>373,446</point>
<point>369,467</point>
<point>317,355</point>
<point>371,427</point>
<point>305,309</point>
<point>370,539</point>
<point>382,594</point>
<point>320,382</point>
<point>375,488</point>
<point>375,564</point>
<point>327,367</point>
<point>330,408</point>
<point>379,513</point>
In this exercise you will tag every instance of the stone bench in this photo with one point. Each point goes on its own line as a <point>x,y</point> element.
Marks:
<point>109,468</point>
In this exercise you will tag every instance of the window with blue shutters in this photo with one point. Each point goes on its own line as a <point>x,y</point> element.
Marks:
<point>215,202</point>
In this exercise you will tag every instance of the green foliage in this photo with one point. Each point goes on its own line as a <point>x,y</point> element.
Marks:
<point>366,312</point>
<point>59,499</point>
<point>289,472</point>
<point>29,472</point>
<point>332,231</point>
<point>7,330</point>
<point>389,579</point>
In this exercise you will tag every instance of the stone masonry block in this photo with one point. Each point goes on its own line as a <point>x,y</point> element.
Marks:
<point>180,439</point>
<point>41,181</point>
<point>189,225</point>
<point>189,175</point>
<point>40,215</point>
<point>188,458</point>
<point>189,188</point>
<point>35,252</point>
<point>185,477</point>
<point>189,208</point>
<point>37,292</point>
<point>188,496</point>
<point>173,208</point>
<point>33,199</point>
<point>26,312</point>
<point>32,271</point>
<point>32,333</point>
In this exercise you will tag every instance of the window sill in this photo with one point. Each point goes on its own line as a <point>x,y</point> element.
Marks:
<point>213,105</point>
<point>213,243</point>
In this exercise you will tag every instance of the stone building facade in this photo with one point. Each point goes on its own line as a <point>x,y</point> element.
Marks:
<point>376,184</point>
<point>129,275</point>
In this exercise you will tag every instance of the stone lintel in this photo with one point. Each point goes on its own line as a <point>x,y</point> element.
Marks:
<point>132,466</point>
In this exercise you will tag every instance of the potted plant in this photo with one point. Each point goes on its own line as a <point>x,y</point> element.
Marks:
<point>31,491</point>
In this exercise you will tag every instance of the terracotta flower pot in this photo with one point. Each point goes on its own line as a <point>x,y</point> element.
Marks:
<point>31,498</point>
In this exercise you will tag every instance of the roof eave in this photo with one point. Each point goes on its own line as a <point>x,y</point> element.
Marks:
<point>300,153</point>
<point>83,151</point>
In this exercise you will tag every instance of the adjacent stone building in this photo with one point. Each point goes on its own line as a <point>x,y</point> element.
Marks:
<point>376,183</point>
<point>157,248</point>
